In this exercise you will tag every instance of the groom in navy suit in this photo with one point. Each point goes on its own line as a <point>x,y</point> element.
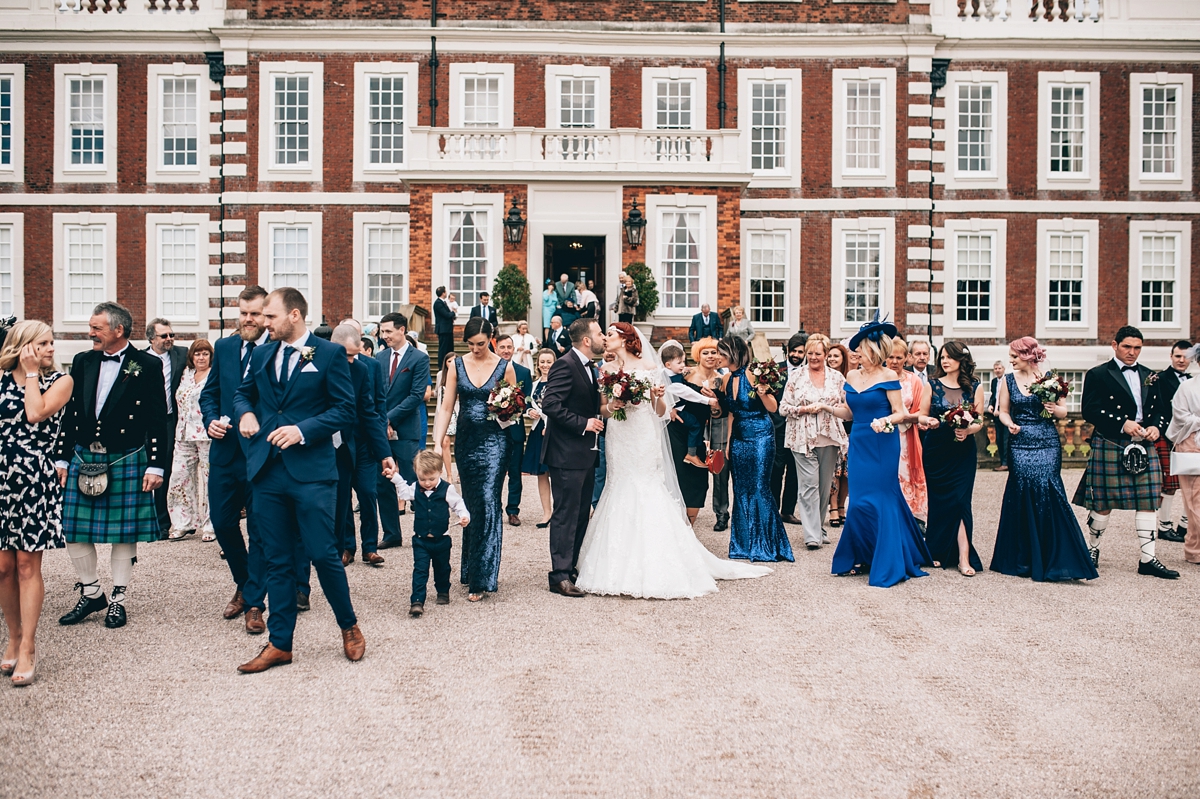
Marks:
<point>295,396</point>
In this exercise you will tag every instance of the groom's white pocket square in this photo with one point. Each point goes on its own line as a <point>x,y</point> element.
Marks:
<point>309,367</point>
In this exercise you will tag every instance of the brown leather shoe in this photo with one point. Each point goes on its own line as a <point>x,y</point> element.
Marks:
<point>353,643</point>
<point>514,520</point>
<point>566,588</point>
<point>347,557</point>
<point>268,658</point>
<point>791,519</point>
<point>416,609</point>
<point>373,558</point>
<point>254,621</point>
<point>235,606</point>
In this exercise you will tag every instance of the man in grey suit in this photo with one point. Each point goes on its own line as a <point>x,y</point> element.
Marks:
<point>406,376</point>
<point>174,361</point>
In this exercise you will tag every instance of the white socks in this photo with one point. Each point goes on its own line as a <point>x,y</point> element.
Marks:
<point>123,557</point>
<point>1164,511</point>
<point>1096,524</point>
<point>83,558</point>
<point>1143,522</point>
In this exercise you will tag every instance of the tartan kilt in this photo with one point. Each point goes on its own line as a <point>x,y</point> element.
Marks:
<point>1105,485</point>
<point>124,514</point>
<point>1170,481</point>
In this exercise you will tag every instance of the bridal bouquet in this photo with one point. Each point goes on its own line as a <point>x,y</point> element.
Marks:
<point>625,387</point>
<point>1050,387</point>
<point>505,404</point>
<point>960,417</point>
<point>767,373</point>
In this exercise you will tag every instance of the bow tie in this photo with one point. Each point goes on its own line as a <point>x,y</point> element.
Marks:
<point>1129,368</point>
<point>113,358</point>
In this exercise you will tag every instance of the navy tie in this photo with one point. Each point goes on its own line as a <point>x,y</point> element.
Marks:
<point>246,356</point>
<point>288,349</point>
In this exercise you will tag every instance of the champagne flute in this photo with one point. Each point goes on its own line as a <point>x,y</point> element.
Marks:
<point>596,446</point>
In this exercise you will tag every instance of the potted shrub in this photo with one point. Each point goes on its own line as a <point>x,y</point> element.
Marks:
<point>647,291</point>
<point>511,296</point>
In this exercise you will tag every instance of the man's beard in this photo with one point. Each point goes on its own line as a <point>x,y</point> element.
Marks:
<point>250,333</point>
<point>795,361</point>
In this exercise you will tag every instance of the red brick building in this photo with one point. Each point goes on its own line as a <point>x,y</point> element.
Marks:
<point>810,175</point>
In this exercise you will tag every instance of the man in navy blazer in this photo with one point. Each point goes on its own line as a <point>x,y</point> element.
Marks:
<point>443,325</point>
<point>516,432</point>
<point>705,324</point>
<point>228,488</point>
<point>483,309</point>
<point>295,396</point>
<point>406,376</point>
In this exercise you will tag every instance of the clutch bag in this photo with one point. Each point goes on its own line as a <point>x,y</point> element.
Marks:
<point>1185,463</point>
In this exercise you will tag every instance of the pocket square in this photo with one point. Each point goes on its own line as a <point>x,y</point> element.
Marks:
<point>309,367</point>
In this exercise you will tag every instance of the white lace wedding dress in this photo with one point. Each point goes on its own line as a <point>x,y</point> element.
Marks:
<point>639,542</point>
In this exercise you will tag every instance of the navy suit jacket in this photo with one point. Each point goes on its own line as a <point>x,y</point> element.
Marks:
<point>216,400</point>
<point>368,432</point>
<point>443,317</point>
<point>405,394</point>
<point>525,381</point>
<point>318,398</point>
<point>699,330</point>
<point>487,312</point>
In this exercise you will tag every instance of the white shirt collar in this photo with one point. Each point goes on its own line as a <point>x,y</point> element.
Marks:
<point>1119,363</point>
<point>297,342</point>
<point>119,353</point>
<point>584,359</point>
<point>400,350</point>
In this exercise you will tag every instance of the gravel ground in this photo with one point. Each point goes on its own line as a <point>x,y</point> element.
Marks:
<point>798,684</point>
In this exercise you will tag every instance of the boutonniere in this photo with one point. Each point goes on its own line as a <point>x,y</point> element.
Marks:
<point>307,353</point>
<point>132,369</point>
<point>1151,379</point>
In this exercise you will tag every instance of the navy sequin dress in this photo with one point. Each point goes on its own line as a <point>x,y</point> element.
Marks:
<point>756,531</point>
<point>950,479</point>
<point>481,448</point>
<point>1039,536</point>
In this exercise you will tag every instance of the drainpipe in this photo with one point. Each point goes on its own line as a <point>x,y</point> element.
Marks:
<point>433,66</point>
<point>721,70</point>
<point>937,80</point>
<point>216,73</point>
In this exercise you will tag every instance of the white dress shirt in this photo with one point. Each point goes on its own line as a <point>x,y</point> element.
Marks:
<point>296,345</point>
<point>166,361</point>
<point>586,361</point>
<point>405,493</point>
<point>923,374</point>
<point>109,371</point>
<point>263,339</point>
<point>1134,381</point>
<point>395,358</point>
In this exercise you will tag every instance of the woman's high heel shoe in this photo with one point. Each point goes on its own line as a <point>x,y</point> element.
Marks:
<point>7,666</point>
<point>542,525</point>
<point>20,679</point>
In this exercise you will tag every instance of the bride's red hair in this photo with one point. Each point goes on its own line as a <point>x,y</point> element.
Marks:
<point>629,335</point>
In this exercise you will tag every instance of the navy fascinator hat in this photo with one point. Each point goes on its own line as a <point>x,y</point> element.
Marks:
<point>876,329</point>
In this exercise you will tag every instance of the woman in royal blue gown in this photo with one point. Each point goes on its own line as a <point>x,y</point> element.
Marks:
<point>756,530</point>
<point>1039,536</point>
<point>880,535</point>
<point>482,450</point>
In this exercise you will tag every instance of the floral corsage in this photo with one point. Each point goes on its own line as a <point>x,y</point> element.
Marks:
<point>307,353</point>
<point>132,369</point>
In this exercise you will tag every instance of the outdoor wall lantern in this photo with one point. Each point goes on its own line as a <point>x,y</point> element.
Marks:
<point>514,225</point>
<point>635,226</point>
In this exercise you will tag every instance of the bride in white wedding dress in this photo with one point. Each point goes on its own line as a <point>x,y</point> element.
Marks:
<point>639,542</point>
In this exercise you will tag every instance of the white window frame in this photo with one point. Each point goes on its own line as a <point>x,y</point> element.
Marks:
<point>886,227</point>
<point>706,205</point>
<point>792,286</point>
<point>14,171</point>
<point>1182,180</point>
<point>997,178</point>
<point>364,170</point>
<point>155,171</point>
<point>154,224</point>
<point>362,221</point>
<point>268,170</point>
<point>887,155</point>
<point>1182,326</point>
<point>17,223</point>
<point>482,69</point>
<point>789,175</point>
<point>269,220</point>
<point>64,171</point>
<point>603,78</point>
<point>108,221</point>
<point>699,78</point>
<point>951,327</point>
<point>1090,179</point>
<point>1086,328</point>
<point>443,205</point>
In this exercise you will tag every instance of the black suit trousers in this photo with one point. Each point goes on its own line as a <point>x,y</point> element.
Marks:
<point>572,493</point>
<point>160,493</point>
<point>445,347</point>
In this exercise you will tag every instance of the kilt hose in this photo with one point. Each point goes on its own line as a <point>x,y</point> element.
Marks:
<point>1106,485</point>
<point>1170,483</point>
<point>123,514</point>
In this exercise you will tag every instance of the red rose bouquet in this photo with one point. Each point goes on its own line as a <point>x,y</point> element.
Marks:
<point>1050,387</point>
<point>506,403</point>
<point>625,387</point>
<point>767,373</point>
<point>960,417</point>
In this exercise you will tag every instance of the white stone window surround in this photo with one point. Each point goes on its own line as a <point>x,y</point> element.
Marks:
<point>555,73</point>
<point>706,205</point>
<point>459,72</point>
<point>270,220</point>
<point>268,170</point>
<point>994,328</point>
<point>64,170</point>
<point>446,203</point>
<point>16,224</point>
<point>63,322</point>
<point>1180,328</point>
<point>792,290</point>
<point>14,170</point>
<point>1089,180</point>
<point>1087,327</point>
<point>997,178</point>
<point>885,226</point>
<point>789,175</point>
<point>362,221</point>
<point>1181,180</point>
<point>155,171</point>
<point>364,170</point>
<point>887,173</point>
<point>154,225</point>
<point>699,78</point>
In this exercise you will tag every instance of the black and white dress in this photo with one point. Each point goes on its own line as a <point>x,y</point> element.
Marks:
<point>30,496</point>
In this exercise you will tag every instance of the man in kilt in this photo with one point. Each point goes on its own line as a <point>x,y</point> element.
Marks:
<point>117,416</point>
<point>1122,472</point>
<point>1166,383</point>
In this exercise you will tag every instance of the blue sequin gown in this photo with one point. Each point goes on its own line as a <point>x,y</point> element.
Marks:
<point>1039,536</point>
<point>950,480</point>
<point>880,533</point>
<point>756,531</point>
<point>481,448</point>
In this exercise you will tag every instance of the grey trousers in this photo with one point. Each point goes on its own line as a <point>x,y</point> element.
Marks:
<point>814,473</point>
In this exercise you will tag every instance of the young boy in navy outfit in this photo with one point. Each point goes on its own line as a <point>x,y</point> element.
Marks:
<point>432,500</point>
<point>679,391</point>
